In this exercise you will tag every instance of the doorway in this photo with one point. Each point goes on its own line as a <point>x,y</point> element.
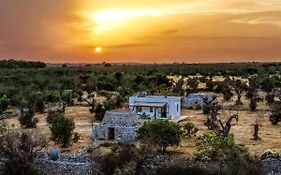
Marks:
<point>111,134</point>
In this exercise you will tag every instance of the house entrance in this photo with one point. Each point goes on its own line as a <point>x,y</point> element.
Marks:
<point>164,112</point>
<point>111,134</point>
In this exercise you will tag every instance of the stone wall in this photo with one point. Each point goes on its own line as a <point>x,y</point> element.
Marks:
<point>53,107</point>
<point>6,115</point>
<point>124,124</point>
<point>81,164</point>
<point>68,164</point>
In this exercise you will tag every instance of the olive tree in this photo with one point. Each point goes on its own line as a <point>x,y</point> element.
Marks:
<point>62,129</point>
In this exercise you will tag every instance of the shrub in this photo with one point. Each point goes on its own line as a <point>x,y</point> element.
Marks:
<point>193,83</point>
<point>253,104</point>
<point>268,84</point>
<point>62,130</point>
<point>18,150</point>
<point>4,103</point>
<point>275,116</point>
<point>52,96</point>
<point>67,97</point>
<point>160,134</point>
<point>189,129</point>
<point>122,159</point>
<point>225,151</point>
<point>270,154</point>
<point>51,115</point>
<point>27,118</point>
<point>210,85</point>
<point>270,97</point>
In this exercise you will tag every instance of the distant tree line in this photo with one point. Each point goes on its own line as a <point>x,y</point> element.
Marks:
<point>14,64</point>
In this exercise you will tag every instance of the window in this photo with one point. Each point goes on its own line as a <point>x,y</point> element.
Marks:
<point>139,109</point>
<point>151,109</point>
<point>177,107</point>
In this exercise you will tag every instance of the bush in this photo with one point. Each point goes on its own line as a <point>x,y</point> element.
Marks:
<point>52,97</point>
<point>4,103</point>
<point>122,159</point>
<point>160,134</point>
<point>67,97</point>
<point>269,97</point>
<point>275,116</point>
<point>189,129</point>
<point>253,104</point>
<point>62,130</point>
<point>27,118</point>
<point>18,151</point>
<point>224,150</point>
<point>270,154</point>
<point>51,115</point>
<point>268,84</point>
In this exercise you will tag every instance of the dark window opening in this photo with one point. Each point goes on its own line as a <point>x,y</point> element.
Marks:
<point>139,109</point>
<point>111,134</point>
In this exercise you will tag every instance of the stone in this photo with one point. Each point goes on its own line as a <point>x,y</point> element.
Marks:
<point>118,126</point>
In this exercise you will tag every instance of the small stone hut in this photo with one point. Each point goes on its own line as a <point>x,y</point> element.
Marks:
<point>118,126</point>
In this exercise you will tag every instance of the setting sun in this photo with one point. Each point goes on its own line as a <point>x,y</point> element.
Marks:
<point>98,49</point>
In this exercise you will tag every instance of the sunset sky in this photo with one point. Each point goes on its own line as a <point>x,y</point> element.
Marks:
<point>141,31</point>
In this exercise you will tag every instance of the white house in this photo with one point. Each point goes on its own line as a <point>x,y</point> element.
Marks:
<point>157,107</point>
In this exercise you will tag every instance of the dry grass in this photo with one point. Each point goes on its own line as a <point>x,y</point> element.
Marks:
<point>83,126</point>
<point>243,131</point>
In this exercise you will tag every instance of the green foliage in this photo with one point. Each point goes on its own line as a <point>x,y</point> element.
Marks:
<point>38,101</point>
<point>213,145</point>
<point>270,154</point>
<point>112,103</point>
<point>67,97</point>
<point>189,129</point>
<point>275,116</point>
<point>4,103</point>
<point>63,130</point>
<point>51,115</point>
<point>226,151</point>
<point>268,84</point>
<point>239,87</point>
<point>210,84</point>
<point>253,104</point>
<point>27,119</point>
<point>13,64</point>
<point>193,83</point>
<point>270,97</point>
<point>52,96</point>
<point>101,108</point>
<point>124,158</point>
<point>160,134</point>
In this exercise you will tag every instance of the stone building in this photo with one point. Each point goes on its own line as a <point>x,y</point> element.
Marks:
<point>118,126</point>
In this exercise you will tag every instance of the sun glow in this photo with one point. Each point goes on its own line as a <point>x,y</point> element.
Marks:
<point>107,19</point>
<point>98,49</point>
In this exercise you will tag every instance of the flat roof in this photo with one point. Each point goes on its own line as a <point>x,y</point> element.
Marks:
<point>155,96</point>
<point>148,104</point>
